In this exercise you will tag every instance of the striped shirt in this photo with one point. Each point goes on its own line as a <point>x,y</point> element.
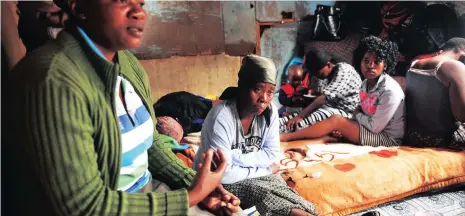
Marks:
<point>136,132</point>
<point>137,135</point>
<point>69,136</point>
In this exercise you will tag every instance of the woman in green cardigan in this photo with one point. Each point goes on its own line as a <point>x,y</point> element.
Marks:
<point>66,148</point>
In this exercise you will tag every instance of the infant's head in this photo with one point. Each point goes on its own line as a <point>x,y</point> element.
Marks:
<point>295,75</point>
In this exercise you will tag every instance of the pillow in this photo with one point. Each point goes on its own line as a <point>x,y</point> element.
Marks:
<point>341,179</point>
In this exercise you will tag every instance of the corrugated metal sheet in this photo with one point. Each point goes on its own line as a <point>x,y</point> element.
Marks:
<point>182,28</point>
<point>239,27</point>
<point>278,44</point>
<point>270,11</point>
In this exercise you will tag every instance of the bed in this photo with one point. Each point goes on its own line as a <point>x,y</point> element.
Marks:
<point>346,179</point>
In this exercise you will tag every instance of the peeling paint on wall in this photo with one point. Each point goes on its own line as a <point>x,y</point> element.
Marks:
<point>166,11</point>
<point>239,27</point>
<point>182,28</point>
<point>270,11</point>
<point>278,43</point>
<point>198,28</point>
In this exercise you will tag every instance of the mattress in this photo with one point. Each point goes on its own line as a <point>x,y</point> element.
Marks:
<point>450,202</point>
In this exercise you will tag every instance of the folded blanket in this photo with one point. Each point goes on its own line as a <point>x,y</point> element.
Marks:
<point>192,138</point>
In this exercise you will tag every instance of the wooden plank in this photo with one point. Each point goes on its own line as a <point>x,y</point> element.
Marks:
<point>182,28</point>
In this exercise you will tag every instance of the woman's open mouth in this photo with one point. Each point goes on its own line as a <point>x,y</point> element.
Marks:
<point>135,31</point>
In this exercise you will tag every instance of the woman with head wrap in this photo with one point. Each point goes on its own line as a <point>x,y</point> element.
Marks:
<point>379,120</point>
<point>85,141</point>
<point>245,127</point>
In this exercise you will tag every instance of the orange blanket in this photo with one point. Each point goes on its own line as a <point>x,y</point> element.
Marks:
<point>341,179</point>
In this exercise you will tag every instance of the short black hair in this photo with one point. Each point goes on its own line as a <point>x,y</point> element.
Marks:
<point>316,59</point>
<point>456,44</point>
<point>387,51</point>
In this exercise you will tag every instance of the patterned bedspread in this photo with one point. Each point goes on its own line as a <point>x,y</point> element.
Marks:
<point>341,179</point>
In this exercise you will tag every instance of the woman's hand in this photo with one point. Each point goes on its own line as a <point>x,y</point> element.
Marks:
<point>206,180</point>
<point>275,168</point>
<point>221,202</point>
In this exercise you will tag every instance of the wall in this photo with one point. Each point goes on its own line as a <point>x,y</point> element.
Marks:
<point>202,31</point>
<point>185,28</point>
<point>239,27</point>
<point>202,75</point>
<point>181,28</point>
<point>270,11</point>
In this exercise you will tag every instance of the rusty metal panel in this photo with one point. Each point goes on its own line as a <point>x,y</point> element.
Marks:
<point>182,28</point>
<point>270,11</point>
<point>278,43</point>
<point>239,27</point>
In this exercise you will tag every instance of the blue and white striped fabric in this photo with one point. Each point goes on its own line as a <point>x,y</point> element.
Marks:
<point>137,135</point>
<point>136,130</point>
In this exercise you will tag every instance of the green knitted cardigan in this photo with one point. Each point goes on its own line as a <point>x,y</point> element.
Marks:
<point>67,142</point>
